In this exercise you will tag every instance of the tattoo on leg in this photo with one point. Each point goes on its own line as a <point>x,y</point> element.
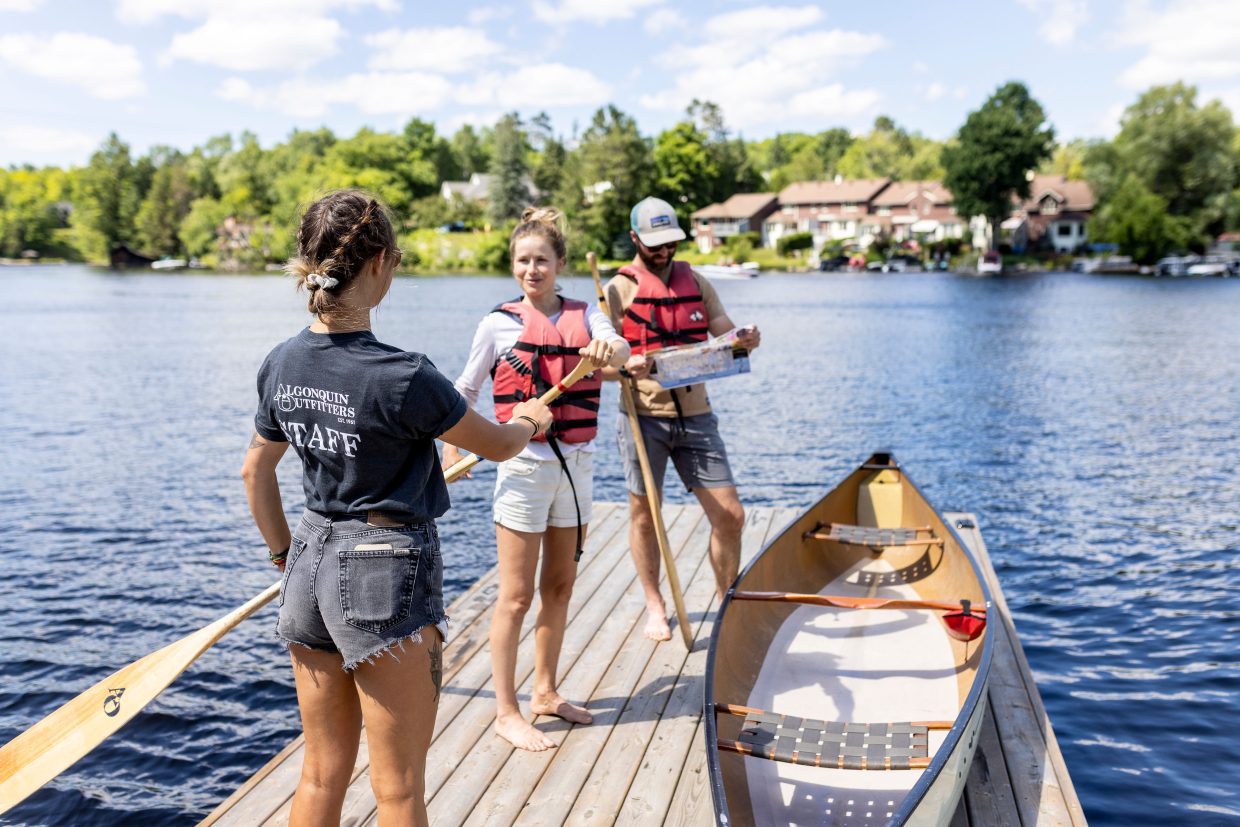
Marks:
<point>436,655</point>
<point>257,442</point>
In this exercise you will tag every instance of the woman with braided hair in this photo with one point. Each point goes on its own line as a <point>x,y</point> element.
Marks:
<point>542,496</point>
<point>361,604</point>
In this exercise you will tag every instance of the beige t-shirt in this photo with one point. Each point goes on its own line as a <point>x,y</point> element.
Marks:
<point>652,399</point>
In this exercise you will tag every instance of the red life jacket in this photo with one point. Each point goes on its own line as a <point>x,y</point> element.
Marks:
<point>664,315</point>
<point>543,355</point>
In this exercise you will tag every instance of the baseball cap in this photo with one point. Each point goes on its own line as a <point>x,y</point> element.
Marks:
<point>654,221</point>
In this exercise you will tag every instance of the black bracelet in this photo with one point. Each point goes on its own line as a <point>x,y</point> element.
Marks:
<point>277,559</point>
<point>624,371</point>
<point>530,420</point>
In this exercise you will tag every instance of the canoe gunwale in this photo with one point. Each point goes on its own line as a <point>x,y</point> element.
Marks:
<point>951,742</point>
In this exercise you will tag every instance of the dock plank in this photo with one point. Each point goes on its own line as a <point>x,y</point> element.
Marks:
<point>611,610</point>
<point>643,760</point>
<point>611,678</point>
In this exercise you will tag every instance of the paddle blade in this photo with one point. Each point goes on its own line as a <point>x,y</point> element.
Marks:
<point>58,741</point>
<point>964,626</point>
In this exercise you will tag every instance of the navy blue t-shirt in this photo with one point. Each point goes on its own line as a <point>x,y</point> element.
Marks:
<point>363,416</point>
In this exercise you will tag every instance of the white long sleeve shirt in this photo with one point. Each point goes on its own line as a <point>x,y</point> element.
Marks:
<point>496,334</point>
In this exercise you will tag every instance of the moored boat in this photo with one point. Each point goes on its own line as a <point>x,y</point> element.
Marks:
<point>748,270</point>
<point>847,669</point>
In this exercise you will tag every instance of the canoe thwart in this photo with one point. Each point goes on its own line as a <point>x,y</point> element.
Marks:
<point>832,744</point>
<point>840,602</point>
<point>864,535</point>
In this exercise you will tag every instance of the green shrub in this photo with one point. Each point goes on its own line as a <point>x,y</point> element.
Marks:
<point>794,241</point>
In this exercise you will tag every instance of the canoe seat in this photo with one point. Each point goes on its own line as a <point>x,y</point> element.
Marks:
<point>834,744</point>
<point>875,538</point>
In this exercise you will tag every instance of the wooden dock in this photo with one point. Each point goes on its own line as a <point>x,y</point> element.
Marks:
<point>642,761</point>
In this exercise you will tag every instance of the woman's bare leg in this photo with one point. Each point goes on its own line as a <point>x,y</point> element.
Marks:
<point>399,696</point>
<point>555,588</point>
<point>518,559</point>
<point>332,720</point>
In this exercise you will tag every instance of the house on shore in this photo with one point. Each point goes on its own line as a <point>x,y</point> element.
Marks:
<point>742,213</point>
<point>905,210</point>
<point>478,188</point>
<point>1052,217</point>
<point>829,210</point>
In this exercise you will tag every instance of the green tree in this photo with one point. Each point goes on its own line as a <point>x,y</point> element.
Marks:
<point>611,173</point>
<point>425,145</point>
<point>32,210</point>
<point>167,202</point>
<point>996,148</point>
<point>1138,221</point>
<point>470,151</point>
<point>508,194</point>
<point>1181,152</point>
<point>686,172</point>
<point>105,200</point>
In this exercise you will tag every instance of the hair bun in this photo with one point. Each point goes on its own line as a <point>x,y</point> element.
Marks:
<point>541,215</point>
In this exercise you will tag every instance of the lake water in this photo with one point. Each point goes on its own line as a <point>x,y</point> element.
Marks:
<point>1090,422</point>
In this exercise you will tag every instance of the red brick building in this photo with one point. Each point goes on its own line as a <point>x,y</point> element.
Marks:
<point>742,213</point>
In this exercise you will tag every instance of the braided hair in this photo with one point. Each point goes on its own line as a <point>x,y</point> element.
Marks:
<point>338,235</point>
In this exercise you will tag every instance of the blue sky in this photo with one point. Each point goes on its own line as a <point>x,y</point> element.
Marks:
<point>178,71</point>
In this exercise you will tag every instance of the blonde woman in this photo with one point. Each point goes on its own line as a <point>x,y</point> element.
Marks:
<point>543,495</point>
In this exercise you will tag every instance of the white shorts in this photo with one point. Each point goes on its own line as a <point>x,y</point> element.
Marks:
<point>531,494</point>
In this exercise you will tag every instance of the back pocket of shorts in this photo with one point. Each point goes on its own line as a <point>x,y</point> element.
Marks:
<point>376,585</point>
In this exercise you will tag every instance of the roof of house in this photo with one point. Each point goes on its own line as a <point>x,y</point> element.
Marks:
<point>839,191</point>
<point>741,205</point>
<point>901,193</point>
<point>1071,195</point>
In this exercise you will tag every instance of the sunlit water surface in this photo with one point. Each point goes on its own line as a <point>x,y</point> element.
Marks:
<point>1090,422</point>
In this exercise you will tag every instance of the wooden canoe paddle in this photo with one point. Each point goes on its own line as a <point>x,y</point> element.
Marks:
<point>55,743</point>
<point>839,602</point>
<point>628,388</point>
<point>583,369</point>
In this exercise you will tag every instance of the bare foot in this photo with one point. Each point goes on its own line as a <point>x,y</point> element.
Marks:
<point>517,731</point>
<point>554,704</point>
<point>656,626</point>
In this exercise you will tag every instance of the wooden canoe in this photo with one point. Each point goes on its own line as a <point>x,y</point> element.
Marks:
<point>847,670</point>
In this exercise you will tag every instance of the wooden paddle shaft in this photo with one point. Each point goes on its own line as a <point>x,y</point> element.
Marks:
<point>628,388</point>
<point>583,369</point>
<point>55,743</point>
<point>856,602</point>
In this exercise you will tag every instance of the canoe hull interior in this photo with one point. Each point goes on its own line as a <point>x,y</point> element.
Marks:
<point>850,665</point>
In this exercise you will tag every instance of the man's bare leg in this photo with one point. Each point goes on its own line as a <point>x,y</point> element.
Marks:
<point>727,519</point>
<point>644,546</point>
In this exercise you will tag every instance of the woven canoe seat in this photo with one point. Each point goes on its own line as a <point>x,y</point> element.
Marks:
<point>835,743</point>
<point>862,535</point>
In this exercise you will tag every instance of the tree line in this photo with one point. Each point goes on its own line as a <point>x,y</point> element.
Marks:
<point>1167,181</point>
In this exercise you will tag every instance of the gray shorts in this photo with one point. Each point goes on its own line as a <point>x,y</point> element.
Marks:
<point>360,590</point>
<point>694,445</point>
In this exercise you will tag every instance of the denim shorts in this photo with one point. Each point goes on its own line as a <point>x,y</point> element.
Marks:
<point>360,590</point>
<point>693,444</point>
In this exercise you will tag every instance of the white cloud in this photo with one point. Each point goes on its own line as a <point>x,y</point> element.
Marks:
<point>477,17</point>
<point>146,11</point>
<point>102,68</point>
<point>244,35</point>
<point>1060,18</point>
<point>19,5</point>
<point>592,11</point>
<point>935,91</point>
<point>543,86</point>
<point>259,42</point>
<point>24,140</point>
<point>664,22</point>
<point>1190,40</point>
<point>765,63</point>
<point>449,50</point>
<point>1108,123</point>
<point>374,93</point>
